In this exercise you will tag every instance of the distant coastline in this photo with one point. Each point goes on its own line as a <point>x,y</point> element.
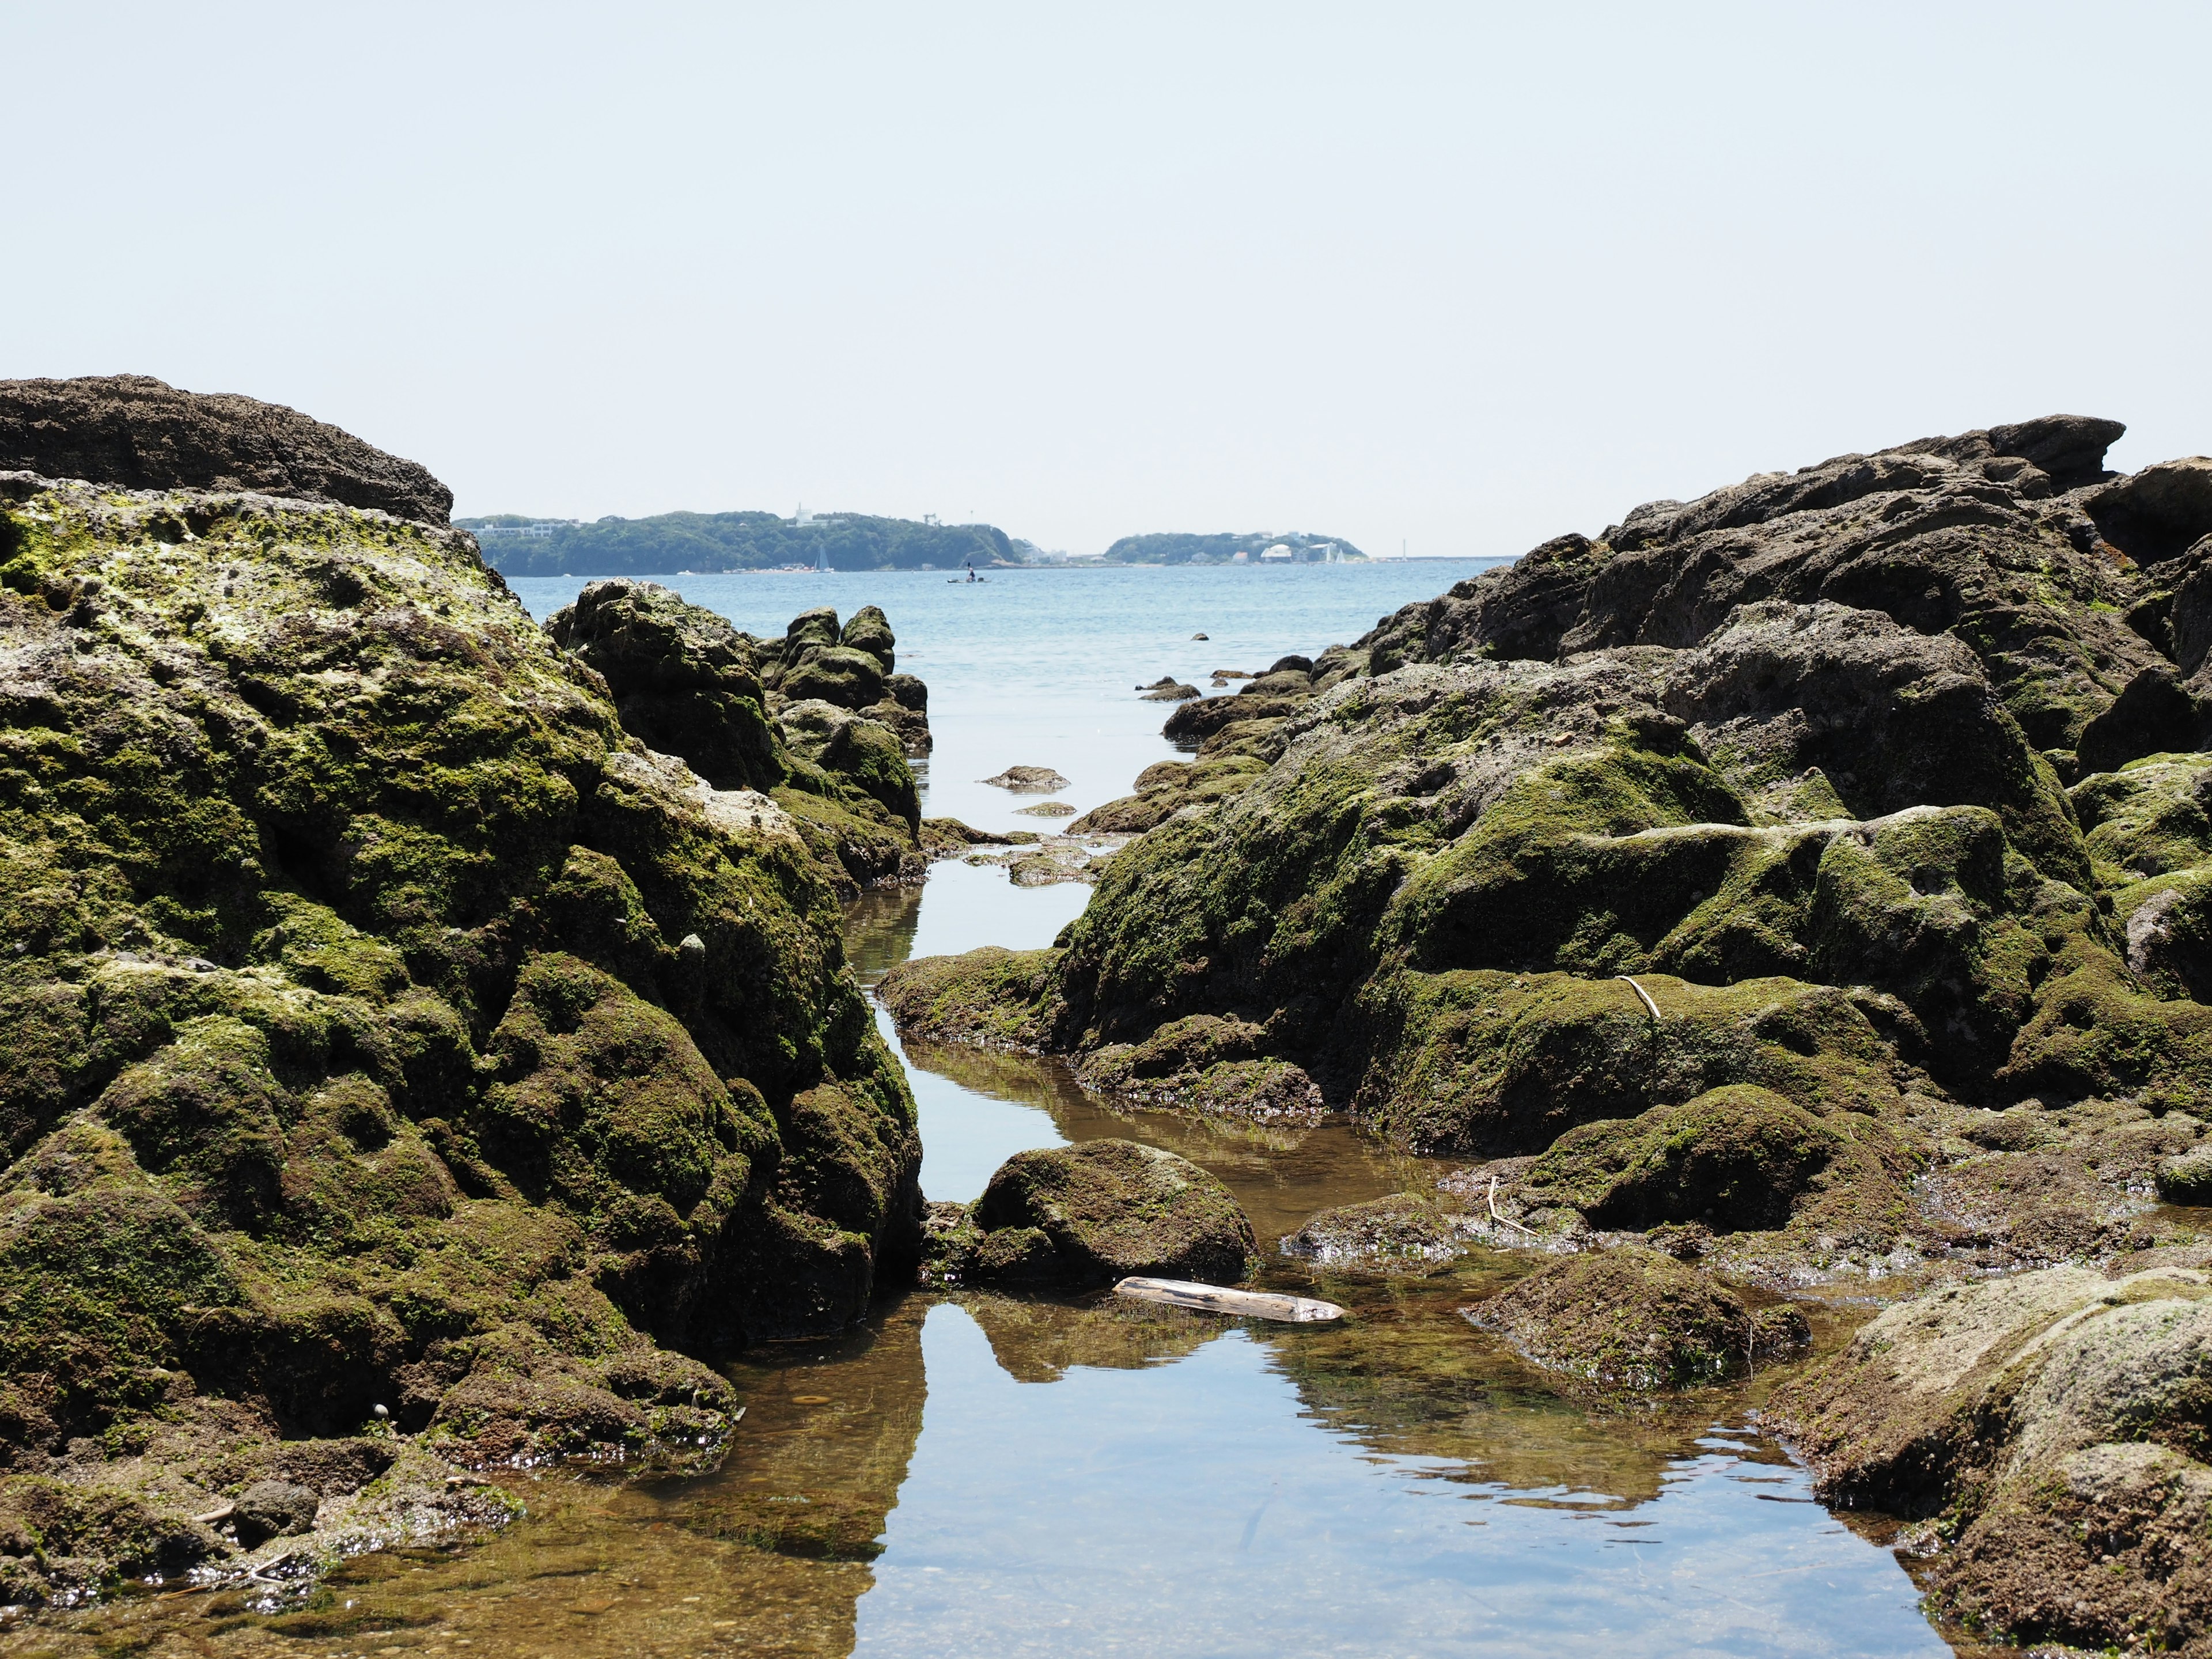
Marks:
<point>719,543</point>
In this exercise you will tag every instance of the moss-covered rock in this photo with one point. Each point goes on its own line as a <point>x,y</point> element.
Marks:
<point>1404,1232</point>
<point>991,998</point>
<point>1633,1321</point>
<point>2054,1423</point>
<point>1733,1160</point>
<point>385,1024</point>
<point>1103,1209</point>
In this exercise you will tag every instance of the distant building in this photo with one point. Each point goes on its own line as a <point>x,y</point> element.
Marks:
<point>1280,553</point>
<point>536,529</point>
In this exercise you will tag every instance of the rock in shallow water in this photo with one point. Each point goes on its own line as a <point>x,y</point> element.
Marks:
<point>1091,1213</point>
<point>1633,1321</point>
<point>1027,779</point>
<point>1404,1232</point>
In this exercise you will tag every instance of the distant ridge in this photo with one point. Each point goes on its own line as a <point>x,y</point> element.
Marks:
<point>669,542</point>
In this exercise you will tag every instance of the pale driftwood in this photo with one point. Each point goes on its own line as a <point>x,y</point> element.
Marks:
<point>214,1516</point>
<point>1651,1006</point>
<point>1244,1304</point>
<point>1503,1220</point>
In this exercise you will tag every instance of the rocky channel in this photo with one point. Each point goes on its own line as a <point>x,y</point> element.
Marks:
<point>1800,887</point>
<point>1770,936</point>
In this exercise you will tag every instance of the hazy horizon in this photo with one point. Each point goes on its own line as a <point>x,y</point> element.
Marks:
<point>1461,277</point>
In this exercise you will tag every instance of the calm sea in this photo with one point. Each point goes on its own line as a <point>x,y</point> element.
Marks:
<point>1040,667</point>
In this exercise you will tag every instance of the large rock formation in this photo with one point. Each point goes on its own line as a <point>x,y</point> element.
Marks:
<point>133,432</point>
<point>381,1024</point>
<point>1812,880</point>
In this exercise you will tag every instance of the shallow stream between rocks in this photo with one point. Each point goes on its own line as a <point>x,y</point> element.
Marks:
<point>977,1474</point>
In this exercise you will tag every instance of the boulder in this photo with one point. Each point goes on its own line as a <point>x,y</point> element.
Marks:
<point>137,433</point>
<point>1105,1209</point>
<point>1405,1232</point>
<point>273,1508</point>
<point>2055,1421</point>
<point>1027,779</point>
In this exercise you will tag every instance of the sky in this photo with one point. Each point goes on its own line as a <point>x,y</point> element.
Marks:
<point>1452,278</point>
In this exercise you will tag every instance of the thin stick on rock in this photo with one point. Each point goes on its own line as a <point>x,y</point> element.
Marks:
<point>1501,1220</point>
<point>1650,1006</point>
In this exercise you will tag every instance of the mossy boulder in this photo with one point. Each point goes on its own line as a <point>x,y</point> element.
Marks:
<point>991,998</point>
<point>385,1022</point>
<point>1404,1232</point>
<point>2187,1178</point>
<point>1104,1210</point>
<point>1738,1158</point>
<point>1635,1321</point>
<point>2056,1422</point>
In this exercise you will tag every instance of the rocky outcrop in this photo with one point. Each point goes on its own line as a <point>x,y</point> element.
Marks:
<point>133,432</point>
<point>2052,1426</point>
<point>1090,1214</point>
<point>817,722</point>
<point>382,1025</point>
<point>1801,882</point>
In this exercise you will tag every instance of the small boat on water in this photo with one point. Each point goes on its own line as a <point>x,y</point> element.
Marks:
<point>1238,1305</point>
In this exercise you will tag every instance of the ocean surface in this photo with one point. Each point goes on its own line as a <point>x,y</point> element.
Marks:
<point>1040,667</point>
<point>971,1474</point>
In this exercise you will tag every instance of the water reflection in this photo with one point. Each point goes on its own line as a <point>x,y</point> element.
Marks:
<point>973,1472</point>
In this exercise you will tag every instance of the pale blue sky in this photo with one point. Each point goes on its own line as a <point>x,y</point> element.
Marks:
<point>1467,276</point>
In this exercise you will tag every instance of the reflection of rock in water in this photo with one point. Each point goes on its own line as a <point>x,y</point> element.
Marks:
<point>1036,1340</point>
<point>1398,1377</point>
<point>1280,1175</point>
<point>879,926</point>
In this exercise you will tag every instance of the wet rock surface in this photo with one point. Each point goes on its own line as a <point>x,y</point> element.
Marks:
<point>386,1029</point>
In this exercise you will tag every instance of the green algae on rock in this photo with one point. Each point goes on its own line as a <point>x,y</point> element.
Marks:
<point>2053,1426</point>
<point>1091,1213</point>
<point>1631,1320</point>
<point>388,1029</point>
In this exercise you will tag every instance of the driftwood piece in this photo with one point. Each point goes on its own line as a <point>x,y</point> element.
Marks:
<point>1240,1304</point>
<point>1650,1007</point>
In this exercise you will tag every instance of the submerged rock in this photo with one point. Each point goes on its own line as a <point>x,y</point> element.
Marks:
<point>1636,1321</point>
<point>1097,1212</point>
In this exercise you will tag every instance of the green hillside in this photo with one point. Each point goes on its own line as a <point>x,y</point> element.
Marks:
<point>669,542</point>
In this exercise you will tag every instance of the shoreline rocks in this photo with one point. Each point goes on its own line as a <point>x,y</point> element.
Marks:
<point>1795,885</point>
<point>387,1028</point>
